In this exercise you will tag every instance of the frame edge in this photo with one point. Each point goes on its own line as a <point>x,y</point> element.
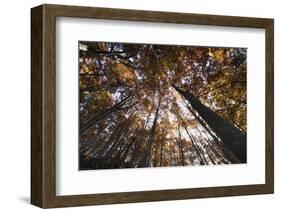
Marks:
<point>43,167</point>
<point>269,120</point>
<point>37,188</point>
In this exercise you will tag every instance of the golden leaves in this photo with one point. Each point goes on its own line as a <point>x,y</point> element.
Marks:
<point>124,72</point>
<point>87,69</point>
<point>217,54</point>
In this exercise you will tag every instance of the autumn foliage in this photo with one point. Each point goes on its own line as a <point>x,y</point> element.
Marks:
<point>144,105</point>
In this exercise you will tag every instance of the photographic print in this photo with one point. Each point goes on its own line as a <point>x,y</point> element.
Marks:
<point>152,105</point>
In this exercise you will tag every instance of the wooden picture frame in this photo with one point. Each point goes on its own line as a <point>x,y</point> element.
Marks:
<point>43,105</point>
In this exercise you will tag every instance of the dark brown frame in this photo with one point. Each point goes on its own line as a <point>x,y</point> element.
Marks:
<point>43,105</point>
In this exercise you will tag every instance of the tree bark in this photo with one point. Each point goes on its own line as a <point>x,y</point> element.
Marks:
<point>233,138</point>
<point>227,153</point>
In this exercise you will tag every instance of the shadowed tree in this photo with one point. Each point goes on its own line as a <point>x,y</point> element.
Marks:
<point>233,138</point>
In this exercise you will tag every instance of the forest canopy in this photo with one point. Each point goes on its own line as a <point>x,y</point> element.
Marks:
<point>150,105</point>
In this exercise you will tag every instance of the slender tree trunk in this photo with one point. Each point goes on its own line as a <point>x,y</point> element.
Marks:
<point>88,147</point>
<point>214,147</point>
<point>99,148</point>
<point>138,142</point>
<point>135,152</point>
<point>173,157</point>
<point>233,138</point>
<point>124,149</point>
<point>179,142</point>
<point>161,153</point>
<point>126,153</point>
<point>198,153</point>
<point>146,158</point>
<point>119,140</point>
<point>193,142</point>
<point>207,147</point>
<point>103,114</point>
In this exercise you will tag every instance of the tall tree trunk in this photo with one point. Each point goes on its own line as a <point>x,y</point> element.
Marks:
<point>119,140</point>
<point>207,147</point>
<point>193,142</point>
<point>135,151</point>
<point>137,146</point>
<point>89,146</point>
<point>179,142</point>
<point>233,138</point>
<point>161,153</point>
<point>173,157</point>
<point>146,157</point>
<point>126,153</point>
<point>227,153</point>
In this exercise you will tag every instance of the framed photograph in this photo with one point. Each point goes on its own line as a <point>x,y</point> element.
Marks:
<point>137,106</point>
